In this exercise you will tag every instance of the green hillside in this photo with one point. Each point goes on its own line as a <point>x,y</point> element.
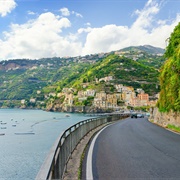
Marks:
<point>147,55</point>
<point>123,70</point>
<point>170,75</point>
<point>146,48</point>
<point>21,78</point>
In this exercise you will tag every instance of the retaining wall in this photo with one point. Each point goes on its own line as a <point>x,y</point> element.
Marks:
<point>163,119</point>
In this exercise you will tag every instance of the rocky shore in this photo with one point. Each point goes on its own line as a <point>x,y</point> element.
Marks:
<point>77,109</point>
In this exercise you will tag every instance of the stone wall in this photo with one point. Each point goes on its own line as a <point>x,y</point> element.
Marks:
<point>163,119</point>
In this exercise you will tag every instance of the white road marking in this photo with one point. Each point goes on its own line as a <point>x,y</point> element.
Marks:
<point>89,173</point>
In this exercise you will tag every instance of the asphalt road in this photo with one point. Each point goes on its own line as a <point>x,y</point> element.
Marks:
<point>133,149</point>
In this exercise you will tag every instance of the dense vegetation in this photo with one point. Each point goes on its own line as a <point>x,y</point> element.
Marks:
<point>147,55</point>
<point>152,61</point>
<point>170,75</point>
<point>21,78</point>
<point>146,48</point>
<point>123,70</point>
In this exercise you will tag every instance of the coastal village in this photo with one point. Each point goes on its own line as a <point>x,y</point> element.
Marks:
<point>121,97</point>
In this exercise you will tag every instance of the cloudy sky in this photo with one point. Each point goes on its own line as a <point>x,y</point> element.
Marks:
<point>57,28</point>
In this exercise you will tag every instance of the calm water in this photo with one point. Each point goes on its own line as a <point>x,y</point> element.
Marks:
<point>21,155</point>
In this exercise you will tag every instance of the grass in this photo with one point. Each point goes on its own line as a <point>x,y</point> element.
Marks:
<point>173,127</point>
<point>151,120</point>
<point>81,164</point>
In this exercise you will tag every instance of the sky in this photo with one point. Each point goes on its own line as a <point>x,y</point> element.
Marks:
<point>35,29</point>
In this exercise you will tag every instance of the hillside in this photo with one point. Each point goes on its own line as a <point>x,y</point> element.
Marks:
<point>123,70</point>
<point>146,48</point>
<point>170,75</point>
<point>22,78</point>
<point>147,55</point>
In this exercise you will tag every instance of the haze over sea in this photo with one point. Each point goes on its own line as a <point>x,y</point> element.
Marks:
<point>29,135</point>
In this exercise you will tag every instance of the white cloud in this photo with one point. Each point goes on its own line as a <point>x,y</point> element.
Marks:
<point>77,14</point>
<point>145,30</point>
<point>86,30</point>
<point>38,38</point>
<point>31,13</point>
<point>145,16</point>
<point>105,39</point>
<point>88,24</point>
<point>65,11</point>
<point>45,37</point>
<point>6,6</point>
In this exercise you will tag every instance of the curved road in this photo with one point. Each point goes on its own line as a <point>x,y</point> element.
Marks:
<point>133,149</point>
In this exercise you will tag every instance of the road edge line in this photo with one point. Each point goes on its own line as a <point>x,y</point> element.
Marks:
<point>89,173</point>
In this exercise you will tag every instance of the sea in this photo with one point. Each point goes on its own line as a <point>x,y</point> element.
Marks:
<point>26,137</point>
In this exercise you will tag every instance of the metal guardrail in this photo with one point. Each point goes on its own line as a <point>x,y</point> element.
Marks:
<point>56,161</point>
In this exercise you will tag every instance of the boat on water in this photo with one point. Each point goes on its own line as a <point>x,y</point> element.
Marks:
<point>24,133</point>
<point>3,127</point>
<point>3,123</point>
<point>2,134</point>
<point>67,115</point>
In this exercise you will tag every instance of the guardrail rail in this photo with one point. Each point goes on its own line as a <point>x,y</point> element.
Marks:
<point>55,163</point>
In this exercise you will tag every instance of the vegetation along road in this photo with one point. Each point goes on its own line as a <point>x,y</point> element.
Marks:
<point>133,148</point>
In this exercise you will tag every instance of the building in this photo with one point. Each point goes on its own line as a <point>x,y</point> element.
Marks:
<point>144,98</point>
<point>104,100</point>
<point>68,99</point>
<point>111,101</point>
<point>90,92</point>
<point>52,94</point>
<point>32,100</point>
<point>106,79</point>
<point>23,101</point>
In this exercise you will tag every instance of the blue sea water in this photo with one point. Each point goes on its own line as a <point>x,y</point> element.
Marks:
<point>28,137</point>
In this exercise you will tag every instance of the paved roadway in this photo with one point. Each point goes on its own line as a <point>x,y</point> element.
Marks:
<point>133,149</point>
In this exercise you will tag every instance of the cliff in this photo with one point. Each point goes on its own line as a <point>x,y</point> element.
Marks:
<point>170,75</point>
<point>168,111</point>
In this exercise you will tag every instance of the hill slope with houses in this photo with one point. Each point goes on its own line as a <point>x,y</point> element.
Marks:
<point>35,82</point>
<point>112,83</point>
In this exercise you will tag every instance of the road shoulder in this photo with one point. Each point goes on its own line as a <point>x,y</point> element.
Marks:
<point>74,163</point>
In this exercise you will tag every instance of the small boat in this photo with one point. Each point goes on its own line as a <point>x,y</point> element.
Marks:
<point>3,123</point>
<point>67,115</point>
<point>25,133</point>
<point>14,125</point>
<point>2,134</point>
<point>3,127</point>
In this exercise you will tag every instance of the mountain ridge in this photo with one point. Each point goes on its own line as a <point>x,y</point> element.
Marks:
<point>146,48</point>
